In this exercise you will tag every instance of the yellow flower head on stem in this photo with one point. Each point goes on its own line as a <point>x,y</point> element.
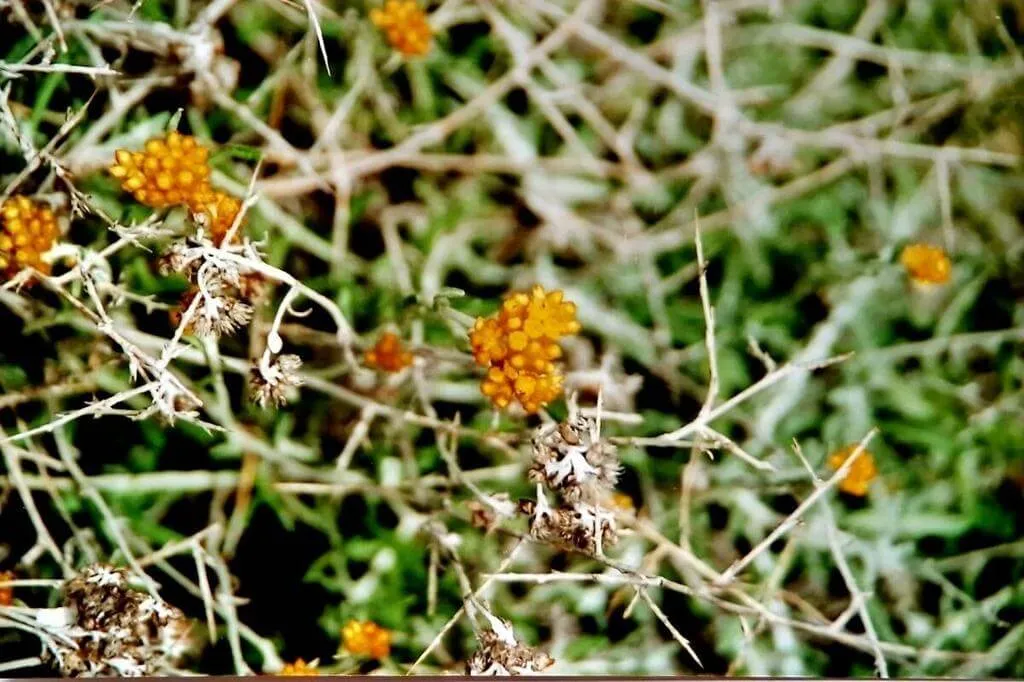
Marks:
<point>926,264</point>
<point>6,593</point>
<point>405,26</point>
<point>170,171</point>
<point>519,346</point>
<point>300,669</point>
<point>366,638</point>
<point>861,473</point>
<point>28,229</point>
<point>388,354</point>
<point>218,215</point>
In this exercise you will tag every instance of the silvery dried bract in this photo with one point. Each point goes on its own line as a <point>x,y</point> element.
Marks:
<point>500,654</point>
<point>112,630</point>
<point>271,381</point>
<point>572,460</point>
<point>179,260</point>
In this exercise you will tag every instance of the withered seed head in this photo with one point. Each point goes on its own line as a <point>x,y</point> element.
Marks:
<point>116,630</point>
<point>272,382</point>
<point>500,654</point>
<point>573,461</point>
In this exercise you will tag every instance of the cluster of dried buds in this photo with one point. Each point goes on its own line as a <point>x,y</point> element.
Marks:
<point>501,654</point>
<point>570,459</point>
<point>273,379</point>
<point>108,629</point>
<point>222,291</point>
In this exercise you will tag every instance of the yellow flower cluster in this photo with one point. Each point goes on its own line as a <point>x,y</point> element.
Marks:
<point>28,231</point>
<point>405,26</point>
<point>299,669</point>
<point>519,346</point>
<point>174,171</point>
<point>169,171</point>
<point>860,474</point>
<point>926,264</point>
<point>388,354</point>
<point>366,638</point>
<point>220,214</point>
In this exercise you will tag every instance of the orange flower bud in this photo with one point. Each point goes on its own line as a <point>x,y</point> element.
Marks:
<point>405,26</point>
<point>860,474</point>
<point>365,638</point>
<point>28,230</point>
<point>926,264</point>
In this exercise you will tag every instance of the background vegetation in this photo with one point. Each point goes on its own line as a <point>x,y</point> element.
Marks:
<point>570,144</point>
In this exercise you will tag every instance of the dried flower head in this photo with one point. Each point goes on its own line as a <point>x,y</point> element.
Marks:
<point>219,313</point>
<point>300,669</point>
<point>500,654</point>
<point>218,214</point>
<point>114,630</point>
<point>926,264</point>
<point>572,460</point>
<point>405,26</point>
<point>28,230</point>
<point>177,259</point>
<point>170,171</point>
<point>861,473</point>
<point>519,346</point>
<point>388,354</point>
<point>366,638</point>
<point>271,381</point>
<point>6,591</point>
<point>580,526</point>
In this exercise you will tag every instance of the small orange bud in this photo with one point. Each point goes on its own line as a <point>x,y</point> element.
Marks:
<point>860,474</point>
<point>6,591</point>
<point>366,638</point>
<point>388,354</point>
<point>405,26</point>
<point>219,214</point>
<point>28,229</point>
<point>300,669</point>
<point>926,264</point>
